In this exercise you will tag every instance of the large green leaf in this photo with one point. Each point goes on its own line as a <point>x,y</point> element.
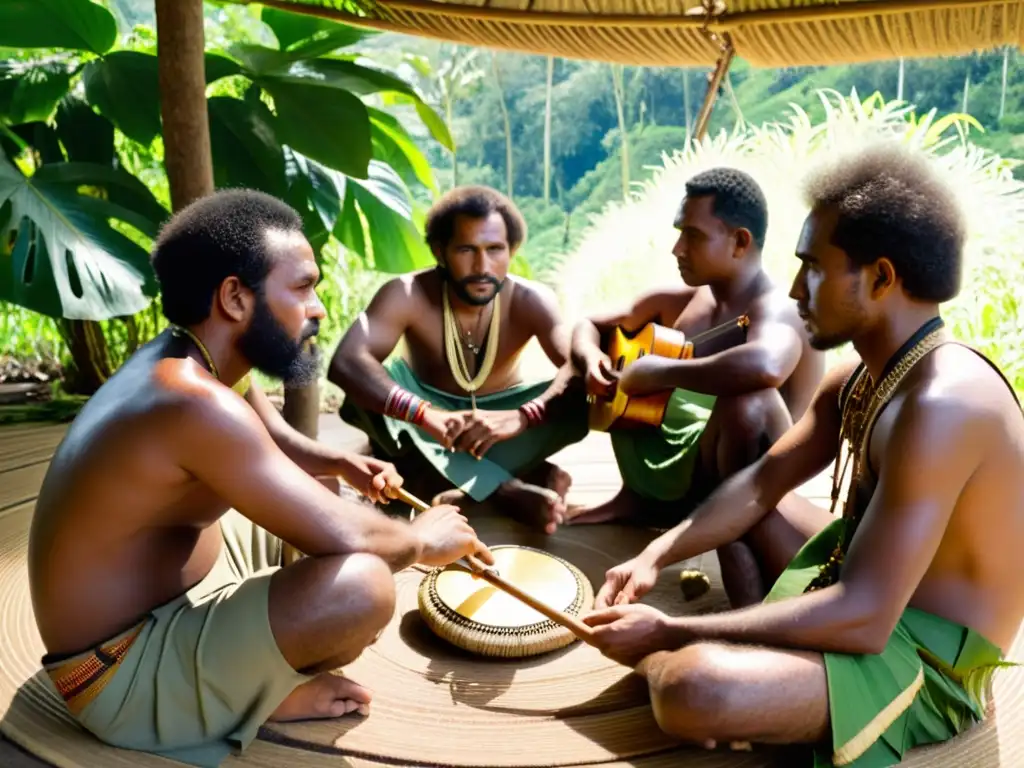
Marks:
<point>328,125</point>
<point>246,151</point>
<point>76,24</point>
<point>309,35</point>
<point>124,196</point>
<point>87,137</point>
<point>30,91</point>
<point>395,243</point>
<point>67,261</point>
<point>323,189</point>
<point>125,88</point>
<point>393,145</point>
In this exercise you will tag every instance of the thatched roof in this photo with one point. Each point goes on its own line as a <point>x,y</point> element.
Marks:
<point>766,33</point>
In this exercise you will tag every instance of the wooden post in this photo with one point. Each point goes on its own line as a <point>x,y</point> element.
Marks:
<point>704,118</point>
<point>186,124</point>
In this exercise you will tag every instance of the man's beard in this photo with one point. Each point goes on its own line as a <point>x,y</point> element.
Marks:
<point>270,350</point>
<point>460,286</point>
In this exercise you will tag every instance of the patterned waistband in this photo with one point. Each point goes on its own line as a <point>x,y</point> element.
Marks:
<point>79,680</point>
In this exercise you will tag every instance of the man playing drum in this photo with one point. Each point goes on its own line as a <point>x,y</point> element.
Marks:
<point>156,548</point>
<point>884,623</point>
<point>458,402</point>
<point>726,409</point>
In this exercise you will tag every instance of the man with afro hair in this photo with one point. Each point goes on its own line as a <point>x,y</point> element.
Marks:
<point>455,408</point>
<point>885,618</point>
<point>726,408</point>
<point>174,620</point>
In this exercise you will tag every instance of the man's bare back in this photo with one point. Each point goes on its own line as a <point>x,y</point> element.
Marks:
<point>120,527</point>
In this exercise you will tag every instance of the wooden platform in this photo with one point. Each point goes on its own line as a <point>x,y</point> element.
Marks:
<point>26,450</point>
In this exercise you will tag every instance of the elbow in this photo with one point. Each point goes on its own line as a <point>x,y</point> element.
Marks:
<point>869,626</point>
<point>771,376</point>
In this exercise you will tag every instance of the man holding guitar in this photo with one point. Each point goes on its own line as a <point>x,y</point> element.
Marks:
<point>726,408</point>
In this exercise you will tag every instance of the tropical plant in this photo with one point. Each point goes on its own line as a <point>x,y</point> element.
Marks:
<point>306,121</point>
<point>627,247</point>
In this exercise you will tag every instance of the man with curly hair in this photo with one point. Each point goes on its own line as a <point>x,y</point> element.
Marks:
<point>887,617</point>
<point>726,408</point>
<point>457,402</point>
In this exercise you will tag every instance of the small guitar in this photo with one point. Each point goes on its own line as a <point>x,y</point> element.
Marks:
<point>624,412</point>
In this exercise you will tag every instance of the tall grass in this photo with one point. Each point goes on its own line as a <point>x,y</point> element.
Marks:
<point>627,247</point>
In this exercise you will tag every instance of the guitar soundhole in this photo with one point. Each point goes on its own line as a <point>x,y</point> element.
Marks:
<point>620,363</point>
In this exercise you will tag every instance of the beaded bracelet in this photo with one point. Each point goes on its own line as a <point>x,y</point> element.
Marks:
<point>534,411</point>
<point>404,405</point>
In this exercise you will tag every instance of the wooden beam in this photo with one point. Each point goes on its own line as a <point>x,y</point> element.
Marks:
<point>186,124</point>
<point>704,117</point>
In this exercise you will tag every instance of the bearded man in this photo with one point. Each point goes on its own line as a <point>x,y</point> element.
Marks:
<point>172,621</point>
<point>458,401</point>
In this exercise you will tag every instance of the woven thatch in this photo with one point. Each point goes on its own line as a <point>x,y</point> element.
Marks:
<point>766,33</point>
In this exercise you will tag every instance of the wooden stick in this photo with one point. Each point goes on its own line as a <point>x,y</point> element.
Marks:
<point>480,570</point>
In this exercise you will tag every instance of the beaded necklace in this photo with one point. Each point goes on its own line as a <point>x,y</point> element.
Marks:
<point>863,405</point>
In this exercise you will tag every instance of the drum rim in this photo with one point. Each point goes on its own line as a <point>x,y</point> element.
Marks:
<point>451,615</point>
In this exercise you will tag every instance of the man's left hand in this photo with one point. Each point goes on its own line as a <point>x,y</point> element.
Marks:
<point>645,376</point>
<point>377,480</point>
<point>483,429</point>
<point>629,633</point>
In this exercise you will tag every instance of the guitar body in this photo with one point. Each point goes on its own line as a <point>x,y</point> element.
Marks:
<point>624,412</point>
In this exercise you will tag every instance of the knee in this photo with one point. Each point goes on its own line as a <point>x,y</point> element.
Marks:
<point>755,415</point>
<point>690,693</point>
<point>362,591</point>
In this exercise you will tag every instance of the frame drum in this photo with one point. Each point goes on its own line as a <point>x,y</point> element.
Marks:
<point>469,613</point>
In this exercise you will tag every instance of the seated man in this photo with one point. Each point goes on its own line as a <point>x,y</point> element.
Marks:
<point>727,408</point>
<point>170,625</point>
<point>884,623</point>
<point>458,400</point>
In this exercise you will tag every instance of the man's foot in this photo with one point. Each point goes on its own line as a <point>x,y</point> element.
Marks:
<point>625,505</point>
<point>325,696</point>
<point>551,476</point>
<point>532,504</point>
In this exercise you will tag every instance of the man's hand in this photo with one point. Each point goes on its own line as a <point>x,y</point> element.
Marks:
<point>627,583</point>
<point>443,426</point>
<point>601,375</point>
<point>629,633</point>
<point>446,535</point>
<point>645,376</point>
<point>483,429</point>
<point>377,480</point>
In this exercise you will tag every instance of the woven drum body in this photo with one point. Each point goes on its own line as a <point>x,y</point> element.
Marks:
<point>479,618</point>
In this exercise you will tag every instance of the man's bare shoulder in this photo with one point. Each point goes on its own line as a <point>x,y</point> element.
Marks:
<point>775,305</point>
<point>531,295</point>
<point>192,398</point>
<point>405,292</point>
<point>959,383</point>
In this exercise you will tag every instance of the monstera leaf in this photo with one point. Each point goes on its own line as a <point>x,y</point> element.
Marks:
<point>80,25</point>
<point>60,256</point>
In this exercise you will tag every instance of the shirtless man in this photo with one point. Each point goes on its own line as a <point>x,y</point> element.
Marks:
<point>418,407</point>
<point>726,409</point>
<point>170,625</point>
<point>890,646</point>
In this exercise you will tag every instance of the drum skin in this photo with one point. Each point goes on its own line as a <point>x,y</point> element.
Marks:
<point>479,618</point>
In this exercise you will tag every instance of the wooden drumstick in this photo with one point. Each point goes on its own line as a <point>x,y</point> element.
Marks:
<point>488,574</point>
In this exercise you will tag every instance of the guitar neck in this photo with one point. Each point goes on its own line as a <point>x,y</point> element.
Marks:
<point>721,337</point>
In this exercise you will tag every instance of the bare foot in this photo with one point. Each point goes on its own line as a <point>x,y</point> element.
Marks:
<point>532,504</point>
<point>551,476</point>
<point>325,696</point>
<point>625,504</point>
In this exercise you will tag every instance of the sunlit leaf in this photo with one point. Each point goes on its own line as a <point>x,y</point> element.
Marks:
<point>80,25</point>
<point>309,35</point>
<point>30,91</point>
<point>67,261</point>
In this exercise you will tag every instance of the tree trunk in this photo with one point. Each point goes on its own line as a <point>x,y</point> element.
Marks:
<point>186,125</point>
<point>89,355</point>
<point>899,81</point>
<point>547,130</point>
<point>620,98</point>
<point>686,104</point>
<point>509,175</point>
<point>1002,93</point>
<point>302,409</point>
